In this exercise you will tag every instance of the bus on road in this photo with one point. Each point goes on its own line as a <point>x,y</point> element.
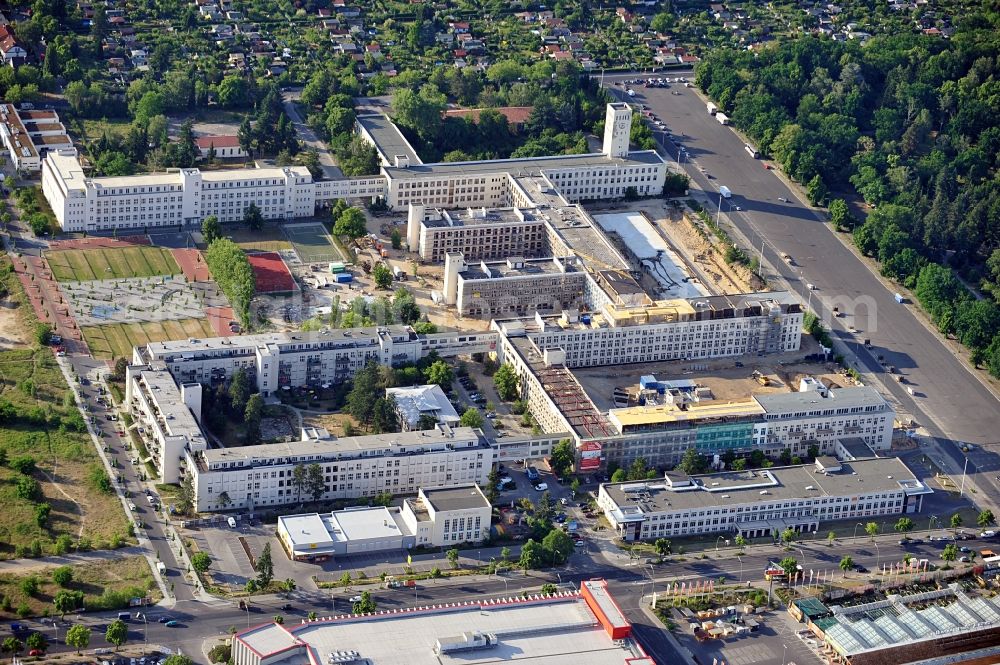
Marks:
<point>752,150</point>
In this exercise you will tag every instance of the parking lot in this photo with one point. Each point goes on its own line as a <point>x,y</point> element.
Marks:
<point>775,643</point>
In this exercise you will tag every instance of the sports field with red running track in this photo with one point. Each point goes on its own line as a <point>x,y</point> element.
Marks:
<point>270,273</point>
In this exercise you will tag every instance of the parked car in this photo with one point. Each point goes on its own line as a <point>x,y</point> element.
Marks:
<point>541,487</point>
<point>858,568</point>
<point>355,599</point>
<point>173,623</point>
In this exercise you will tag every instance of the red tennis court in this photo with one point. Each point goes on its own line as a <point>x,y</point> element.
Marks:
<point>270,273</point>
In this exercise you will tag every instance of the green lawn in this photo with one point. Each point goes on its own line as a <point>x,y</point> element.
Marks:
<point>92,264</point>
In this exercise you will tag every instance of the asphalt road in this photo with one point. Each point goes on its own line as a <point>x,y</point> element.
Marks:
<point>201,624</point>
<point>958,406</point>
<point>330,169</point>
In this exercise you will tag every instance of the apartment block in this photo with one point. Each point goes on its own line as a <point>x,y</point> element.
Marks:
<point>353,467</point>
<point>29,134</point>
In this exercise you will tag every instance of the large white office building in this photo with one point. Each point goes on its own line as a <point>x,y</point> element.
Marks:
<point>187,196</point>
<point>764,502</point>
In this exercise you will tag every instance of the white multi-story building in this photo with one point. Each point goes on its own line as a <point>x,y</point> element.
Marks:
<point>352,467</point>
<point>515,287</point>
<point>764,502</point>
<point>707,327</point>
<point>187,196</point>
<point>275,360</point>
<point>177,197</point>
<point>167,416</point>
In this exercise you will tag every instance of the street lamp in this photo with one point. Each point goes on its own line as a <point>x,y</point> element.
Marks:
<point>144,627</point>
<point>717,542</point>
<point>855,538</point>
<point>741,567</point>
<point>784,653</point>
<point>878,554</point>
<point>930,523</point>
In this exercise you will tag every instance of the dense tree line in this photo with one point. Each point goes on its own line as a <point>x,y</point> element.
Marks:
<point>232,272</point>
<point>908,120</point>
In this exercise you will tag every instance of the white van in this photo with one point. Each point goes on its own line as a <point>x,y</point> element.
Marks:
<point>232,522</point>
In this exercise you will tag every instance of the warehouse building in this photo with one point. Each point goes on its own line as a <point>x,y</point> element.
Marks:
<point>438,517</point>
<point>585,627</point>
<point>763,502</point>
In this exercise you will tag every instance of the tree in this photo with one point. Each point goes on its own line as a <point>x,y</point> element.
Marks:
<point>37,641</point>
<point>789,565</point>
<point>563,457</point>
<point>956,521</point>
<point>452,555</point>
<point>904,525</point>
<point>186,497</point>
<point>265,568</point>
<point>831,537</point>
<point>950,552</point>
<point>382,276</point>
<point>549,589</point>
<point>985,518</point>
<point>558,545</point>
<point>788,536</point>
<point>239,391</point>
<point>78,637</point>
<point>201,562</point>
<point>211,229</point>
<point>846,564</point>
<point>840,215</point>
<point>364,606</point>
<point>252,415</point>
<point>351,223</point>
<point>315,482</point>
<point>117,633</point>
<point>66,601</point>
<point>872,529</point>
<point>506,382</point>
<point>692,462</point>
<point>179,659</point>
<point>11,645</point>
<point>253,218</point>
<point>531,555</point>
<point>472,417</point>
<point>619,476</point>
<point>440,373</point>
<point>662,546</point>
<point>741,542</point>
<point>62,576</point>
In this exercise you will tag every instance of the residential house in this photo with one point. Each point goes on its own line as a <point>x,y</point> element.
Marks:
<point>226,147</point>
<point>13,53</point>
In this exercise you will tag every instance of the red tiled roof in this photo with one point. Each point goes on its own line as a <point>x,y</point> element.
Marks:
<point>218,141</point>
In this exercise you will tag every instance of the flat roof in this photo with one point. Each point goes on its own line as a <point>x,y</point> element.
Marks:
<point>389,141</point>
<point>364,524</point>
<point>843,398</point>
<point>346,447</point>
<point>558,630</point>
<point>517,267</point>
<point>671,413</point>
<point>524,166</point>
<point>174,417</point>
<point>269,638</point>
<point>780,483</point>
<point>458,217</point>
<point>249,343</point>
<point>305,529</point>
<point>598,590</point>
<point>455,498</point>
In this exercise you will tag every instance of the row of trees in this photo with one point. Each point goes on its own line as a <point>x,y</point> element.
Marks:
<point>904,121</point>
<point>232,272</point>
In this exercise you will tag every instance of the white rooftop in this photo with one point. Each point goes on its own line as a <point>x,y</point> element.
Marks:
<point>552,631</point>
<point>415,401</point>
<point>307,531</point>
<point>364,524</point>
